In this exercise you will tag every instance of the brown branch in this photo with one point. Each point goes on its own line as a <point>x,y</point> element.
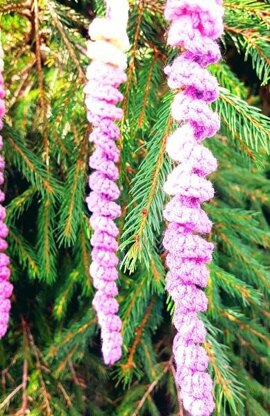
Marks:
<point>46,235</point>
<point>23,76</point>
<point>130,362</point>
<point>247,327</point>
<point>80,167</point>
<point>54,349</point>
<point>85,257</point>
<point>145,212</point>
<point>10,397</point>
<point>79,382</point>
<point>66,396</point>
<point>31,262</point>
<point>27,161</point>
<point>249,35</point>
<point>219,378</point>
<point>248,116</point>
<point>147,89</point>
<point>263,15</point>
<point>132,60</point>
<point>242,144</point>
<point>151,387</point>
<point>131,304</point>
<point>67,43</point>
<point>46,396</point>
<point>246,259</point>
<point>22,8</point>
<point>24,408</point>
<point>5,372</point>
<point>65,361</point>
<point>43,101</point>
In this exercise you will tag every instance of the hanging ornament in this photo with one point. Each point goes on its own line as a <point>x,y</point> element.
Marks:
<point>195,25</point>
<point>109,42</point>
<point>6,287</point>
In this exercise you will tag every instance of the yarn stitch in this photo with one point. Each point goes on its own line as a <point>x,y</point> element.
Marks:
<point>105,74</point>
<point>195,25</point>
<point>6,287</point>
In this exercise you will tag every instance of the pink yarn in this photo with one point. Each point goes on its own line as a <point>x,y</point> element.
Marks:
<point>206,16</point>
<point>6,288</point>
<point>195,26</point>
<point>105,74</point>
<point>198,82</point>
<point>197,113</point>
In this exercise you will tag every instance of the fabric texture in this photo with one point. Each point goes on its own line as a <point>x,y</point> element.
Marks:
<point>195,26</point>
<point>107,50</point>
<point>6,287</point>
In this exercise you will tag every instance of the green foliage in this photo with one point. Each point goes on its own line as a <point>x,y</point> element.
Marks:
<point>50,360</point>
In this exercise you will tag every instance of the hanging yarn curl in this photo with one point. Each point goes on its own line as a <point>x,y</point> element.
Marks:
<point>6,287</point>
<point>195,25</point>
<point>105,74</point>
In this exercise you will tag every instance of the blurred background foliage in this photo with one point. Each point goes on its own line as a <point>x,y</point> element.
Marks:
<point>50,360</point>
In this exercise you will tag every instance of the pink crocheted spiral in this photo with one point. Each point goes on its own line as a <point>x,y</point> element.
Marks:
<point>6,287</point>
<point>105,74</point>
<point>195,26</point>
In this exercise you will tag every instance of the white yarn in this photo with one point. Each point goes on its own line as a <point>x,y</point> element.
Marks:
<point>109,30</point>
<point>106,52</point>
<point>113,27</point>
<point>118,11</point>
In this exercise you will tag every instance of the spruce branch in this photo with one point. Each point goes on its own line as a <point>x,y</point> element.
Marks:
<point>244,121</point>
<point>72,203</point>
<point>227,387</point>
<point>151,388</point>
<point>46,397</point>
<point>30,165</point>
<point>142,223</point>
<point>66,41</point>
<point>246,326</point>
<point>43,99</point>
<point>20,204</point>
<point>27,257</point>
<point>46,245</point>
<point>131,67</point>
<point>234,286</point>
<point>66,340</point>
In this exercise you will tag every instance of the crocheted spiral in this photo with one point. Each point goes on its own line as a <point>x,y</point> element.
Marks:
<point>195,25</point>
<point>6,287</point>
<point>107,48</point>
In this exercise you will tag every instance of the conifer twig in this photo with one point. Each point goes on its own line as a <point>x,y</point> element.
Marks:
<point>131,67</point>
<point>147,89</point>
<point>145,211</point>
<point>66,41</point>
<point>130,362</point>
<point>10,397</point>
<point>46,395</point>
<point>151,388</point>
<point>23,410</point>
<point>43,100</point>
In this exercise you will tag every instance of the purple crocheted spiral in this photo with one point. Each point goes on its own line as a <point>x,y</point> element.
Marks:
<point>6,287</point>
<point>195,26</point>
<point>105,74</point>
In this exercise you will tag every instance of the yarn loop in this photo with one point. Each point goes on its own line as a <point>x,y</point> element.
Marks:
<point>105,74</point>
<point>195,26</point>
<point>6,288</point>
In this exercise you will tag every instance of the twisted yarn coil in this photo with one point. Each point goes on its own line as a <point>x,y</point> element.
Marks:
<point>195,26</point>
<point>6,287</point>
<point>109,42</point>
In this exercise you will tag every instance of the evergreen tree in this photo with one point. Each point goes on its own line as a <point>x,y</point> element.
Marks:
<point>50,359</point>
